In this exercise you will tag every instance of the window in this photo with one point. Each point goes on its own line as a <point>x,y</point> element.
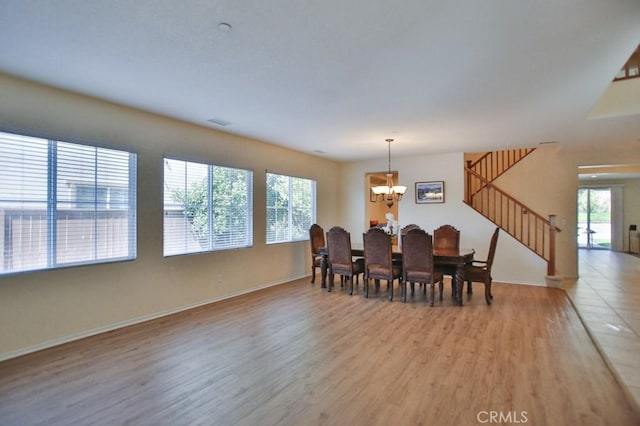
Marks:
<point>291,208</point>
<point>64,204</point>
<point>206,207</point>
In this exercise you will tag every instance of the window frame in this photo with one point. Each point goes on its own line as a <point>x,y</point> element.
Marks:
<point>210,206</point>
<point>54,204</point>
<point>304,236</point>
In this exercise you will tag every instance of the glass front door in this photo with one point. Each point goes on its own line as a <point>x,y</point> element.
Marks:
<point>594,218</point>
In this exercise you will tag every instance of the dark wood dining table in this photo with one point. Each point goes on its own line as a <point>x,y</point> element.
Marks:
<point>441,257</point>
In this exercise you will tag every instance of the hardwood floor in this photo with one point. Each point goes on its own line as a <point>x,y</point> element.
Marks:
<point>297,355</point>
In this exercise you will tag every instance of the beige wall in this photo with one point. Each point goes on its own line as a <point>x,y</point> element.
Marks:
<point>39,309</point>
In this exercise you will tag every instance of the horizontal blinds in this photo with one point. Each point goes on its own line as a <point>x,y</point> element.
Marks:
<point>93,206</point>
<point>23,202</point>
<point>206,207</point>
<point>232,207</point>
<point>65,204</point>
<point>186,224</point>
<point>291,207</point>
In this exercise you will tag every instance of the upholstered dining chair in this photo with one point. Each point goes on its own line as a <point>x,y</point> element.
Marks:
<point>378,260</point>
<point>446,237</point>
<point>340,259</point>
<point>404,231</point>
<point>316,240</point>
<point>408,228</point>
<point>480,271</point>
<point>417,263</point>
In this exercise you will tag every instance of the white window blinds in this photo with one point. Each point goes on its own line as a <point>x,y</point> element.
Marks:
<point>206,207</point>
<point>65,204</point>
<point>291,208</point>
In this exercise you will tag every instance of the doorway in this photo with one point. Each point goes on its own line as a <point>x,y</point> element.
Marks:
<point>594,218</point>
<point>376,210</point>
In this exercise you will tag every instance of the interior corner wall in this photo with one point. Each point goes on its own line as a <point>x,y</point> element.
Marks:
<point>44,308</point>
<point>547,184</point>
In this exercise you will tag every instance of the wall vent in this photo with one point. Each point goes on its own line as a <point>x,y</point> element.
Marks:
<point>218,122</point>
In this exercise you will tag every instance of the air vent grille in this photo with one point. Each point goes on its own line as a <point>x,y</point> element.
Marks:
<point>218,122</point>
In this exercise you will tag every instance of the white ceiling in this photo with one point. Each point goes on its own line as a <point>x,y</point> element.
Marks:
<point>341,76</point>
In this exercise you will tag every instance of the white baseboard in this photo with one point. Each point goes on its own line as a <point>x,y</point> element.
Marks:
<point>88,333</point>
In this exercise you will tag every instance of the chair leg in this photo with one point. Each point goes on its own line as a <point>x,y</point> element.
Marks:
<point>390,290</point>
<point>490,294</point>
<point>433,293</point>
<point>487,291</point>
<point>403,288</point>
<point>441,289</point>
<point>313,274</point>
<point>366,287</point>
<point>469,288</point>
<point>413,288</point>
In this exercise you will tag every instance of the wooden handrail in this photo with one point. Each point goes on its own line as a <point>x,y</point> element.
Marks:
<point>494,163</point>
<point>631,69</point>
<point>527,226</point>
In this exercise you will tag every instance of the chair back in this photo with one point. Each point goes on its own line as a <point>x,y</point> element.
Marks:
<point>408,228</point>
<point>316,238</point>
<point>417,255</point>
<point>446,237</point>
<point>339,248</point>
<point>492,248</point>
<point>377,253</point>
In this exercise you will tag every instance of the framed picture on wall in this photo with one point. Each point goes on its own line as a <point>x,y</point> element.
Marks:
<point>430,192</point>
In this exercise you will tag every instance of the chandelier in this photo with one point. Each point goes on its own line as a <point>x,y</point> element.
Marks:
<point>389,192</point>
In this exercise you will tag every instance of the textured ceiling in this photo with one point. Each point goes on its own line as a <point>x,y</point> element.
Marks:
<point>341,76</point>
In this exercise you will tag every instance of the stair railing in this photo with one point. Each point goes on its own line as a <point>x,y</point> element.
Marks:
<point>493,164</point>
<point>530,228</point>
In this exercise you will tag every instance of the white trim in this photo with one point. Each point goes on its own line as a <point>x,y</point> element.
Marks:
<point>121,324</point>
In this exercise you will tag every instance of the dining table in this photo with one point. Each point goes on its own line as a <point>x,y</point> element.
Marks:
<point>456,258</point>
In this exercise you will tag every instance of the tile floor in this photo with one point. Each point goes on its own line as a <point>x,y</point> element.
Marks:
<point>607,298</point>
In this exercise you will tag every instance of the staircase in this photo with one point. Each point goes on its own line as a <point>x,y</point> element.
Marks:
<point>534,231</point>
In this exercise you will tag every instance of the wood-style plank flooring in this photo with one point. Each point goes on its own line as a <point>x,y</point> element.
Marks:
<point>297,355</point>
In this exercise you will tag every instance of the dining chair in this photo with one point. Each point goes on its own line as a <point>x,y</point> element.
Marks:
<point>340,259</point>
<point>408,228</point>
<point>316,240</point>
<point>447,237</point>
<point>378,260</point>
<point>404,231</point>
<point>480,271</point>
<point>417,263</point>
